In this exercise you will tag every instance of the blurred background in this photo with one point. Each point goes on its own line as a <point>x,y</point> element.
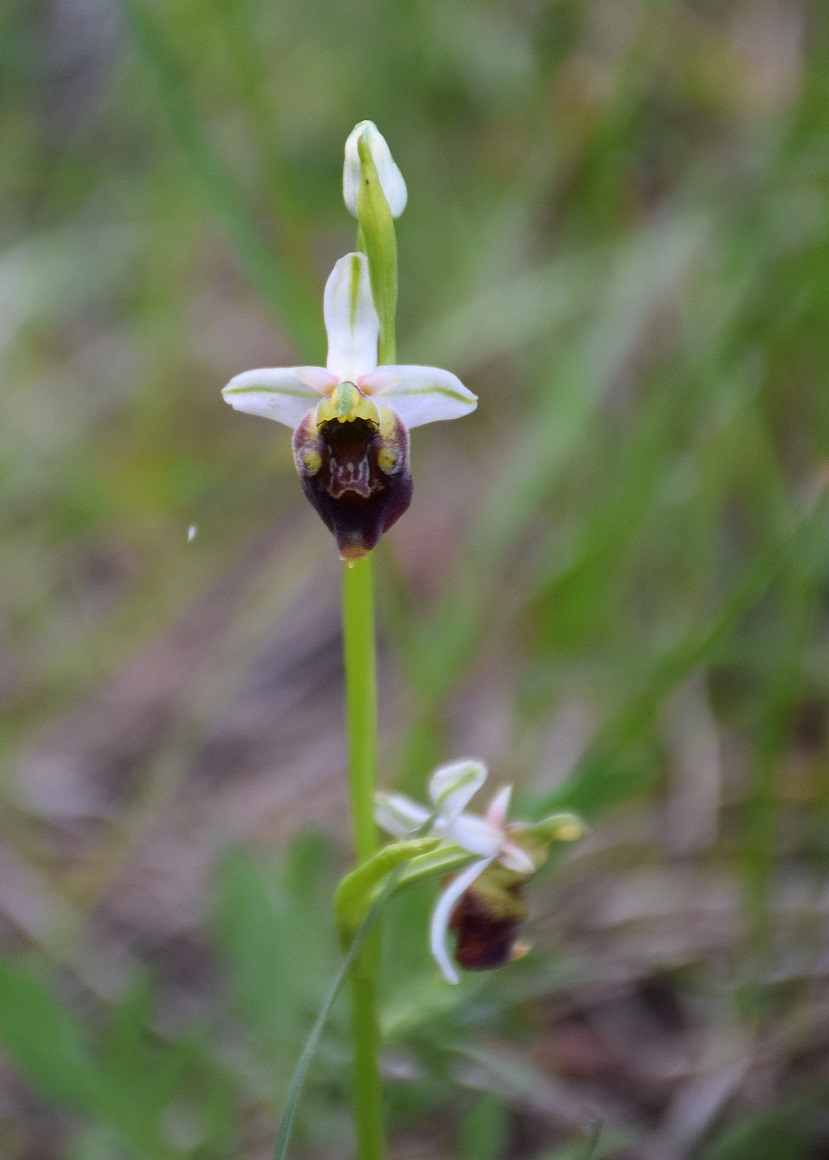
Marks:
<point>612,583</point>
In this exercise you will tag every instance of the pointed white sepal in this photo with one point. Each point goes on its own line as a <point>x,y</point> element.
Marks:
<point>420,394</point>
<point>452,787</point>
<point>439,926</point>
<point>273,393</point>
<point>351,321</point>
<point>391,179</point>
<point>398,815</point>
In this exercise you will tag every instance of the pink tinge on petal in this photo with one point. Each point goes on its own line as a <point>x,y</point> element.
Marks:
<point>512,857</point>
<point>496,813</point>
<point>377,381</point>
<point>318,379</point>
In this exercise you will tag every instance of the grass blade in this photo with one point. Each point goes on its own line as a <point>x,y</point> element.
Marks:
<point>286,1124</point>
<point>578,793</point>
<point>295,303</point>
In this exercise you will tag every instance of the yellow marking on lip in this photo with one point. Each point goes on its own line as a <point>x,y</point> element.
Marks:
<point>387,460</point>
<point>311,461</point>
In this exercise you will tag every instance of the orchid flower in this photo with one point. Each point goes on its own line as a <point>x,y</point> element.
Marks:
<point>514,849</point>
<point>351,418</point>
<point>391,179</point>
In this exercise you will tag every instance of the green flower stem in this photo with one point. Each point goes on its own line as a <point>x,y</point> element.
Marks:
<point>361,718</point>
<point>361,701</point>
<point>365,1040</point>
<point>376,239</point>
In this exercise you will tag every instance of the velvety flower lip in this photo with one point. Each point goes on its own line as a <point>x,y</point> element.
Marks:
<point>490,837</point>
<point>351,418</point>
<point>391,179</point>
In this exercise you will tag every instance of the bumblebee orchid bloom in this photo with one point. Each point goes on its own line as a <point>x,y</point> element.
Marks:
<point>391,179</point>
<point>482,904</point>
<point>351,418</point>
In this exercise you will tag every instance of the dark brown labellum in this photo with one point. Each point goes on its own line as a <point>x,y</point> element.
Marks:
<point>486,939</point>
<point>356,475</point>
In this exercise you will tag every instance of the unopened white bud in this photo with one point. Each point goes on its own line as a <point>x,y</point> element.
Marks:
<point>391,179</point>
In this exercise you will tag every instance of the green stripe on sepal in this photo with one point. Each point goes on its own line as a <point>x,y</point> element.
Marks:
<point>269,391</point>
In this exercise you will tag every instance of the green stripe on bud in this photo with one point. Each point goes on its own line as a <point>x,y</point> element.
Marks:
<point>377,230</point>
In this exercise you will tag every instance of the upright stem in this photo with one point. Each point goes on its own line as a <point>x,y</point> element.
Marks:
<point>376,239</point>
<point>361,718</point>
<point>361,700</point>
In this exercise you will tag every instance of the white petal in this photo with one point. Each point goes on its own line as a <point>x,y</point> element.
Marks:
<point>498,808</point>
<point>398,815</point>
<point>391,179</point>
<point>514,858</point>
<point>380,380</point>
<point>475,835</point>
<point>273,393</point>
<point>443,912</point>
<point>350,320</point>
<point>318,379</point>
<point>421,394</point>
<point>451,787</point>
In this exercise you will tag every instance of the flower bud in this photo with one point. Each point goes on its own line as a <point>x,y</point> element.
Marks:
<point>391,179</point>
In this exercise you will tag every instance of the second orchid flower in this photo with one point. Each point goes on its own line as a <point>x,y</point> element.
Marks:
<point>483,905</point>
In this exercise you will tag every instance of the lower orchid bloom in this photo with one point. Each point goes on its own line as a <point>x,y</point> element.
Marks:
<point>351,418</point>
<point>483,904</point>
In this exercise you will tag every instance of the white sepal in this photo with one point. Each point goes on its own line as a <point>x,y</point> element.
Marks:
<point>442,913</point>
<point>398,815</point>
<point>351,321</point>
<point>391,179</point>
<point>272,393</point>
<point>420,394</point>
<point>452,787</point>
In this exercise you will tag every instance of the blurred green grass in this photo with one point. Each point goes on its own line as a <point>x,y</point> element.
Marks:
<point>612,583</point>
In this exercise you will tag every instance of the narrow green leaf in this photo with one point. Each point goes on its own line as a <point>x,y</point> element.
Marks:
<point>590,782</point>
<point>591,1146</point>
<point>45,1042</point>
<point>484,1129</point>
<point>286,1124</point>
<point>290,297</point>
